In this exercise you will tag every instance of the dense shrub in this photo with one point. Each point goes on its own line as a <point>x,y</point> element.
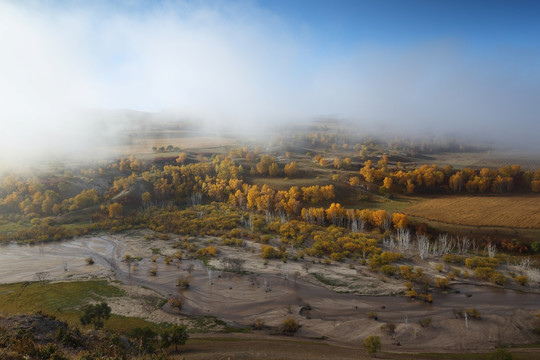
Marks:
<point>425,322</point>
<point>454,259</point>
<point>441,282</point>
<point>207,251</point>
<point>479,261</point>
<point>385,258</point>
<point>176,302</point>
<point>268,252</point>
<point>488,274</point>
<point>498,278</point>
<point>483,273</point>
<point>501,354</point>
<point>389,270</point>
<point>289,326</point>
<point>473,313</point>
<point>522,280</point>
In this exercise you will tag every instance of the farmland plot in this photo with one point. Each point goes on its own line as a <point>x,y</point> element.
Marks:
<point>506,211</point>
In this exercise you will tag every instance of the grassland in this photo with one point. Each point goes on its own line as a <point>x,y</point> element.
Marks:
<point>64,300</point>
<point>500,211</point>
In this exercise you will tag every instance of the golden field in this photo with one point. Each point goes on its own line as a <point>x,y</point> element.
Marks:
<point>505,211</point>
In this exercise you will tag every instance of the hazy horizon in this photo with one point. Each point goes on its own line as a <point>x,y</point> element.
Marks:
<point>413,67</point>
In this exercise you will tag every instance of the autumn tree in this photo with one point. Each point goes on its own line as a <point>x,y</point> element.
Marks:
<point>372,344</point>
<point>311,194</point>
<point>293,200</point>
<point>252,194</point>
<point>146,197</point>
<point>123,164</point>
<point>366,215</point>
<point>85,199</point>
<point>383,163</point>
<point>327,192</point>
<point>379,218</point>
<point>115,210</point>
<point>250,157</point>
<point>135,164</point>
<point>263,166</point>
<point>291,169</point>
<point>354,181</point>
<point>456,181</point>
<point>367,171</point>
<point>264,201</point>
<point>387,184</point>
<point>182,157</point>
<point>410,186</point>
<point>399,220</point>
<point>273,170</point>
<point>336,214</point>
<point>51,198</point>
<point>313,215</point>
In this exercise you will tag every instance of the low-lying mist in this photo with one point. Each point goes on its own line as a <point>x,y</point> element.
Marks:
<point>237,68</point>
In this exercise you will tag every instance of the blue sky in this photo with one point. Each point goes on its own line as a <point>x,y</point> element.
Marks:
<point>410,65</point>
<point>397,22</point>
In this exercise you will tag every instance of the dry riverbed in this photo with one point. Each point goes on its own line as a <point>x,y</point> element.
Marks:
<point>325,299</point>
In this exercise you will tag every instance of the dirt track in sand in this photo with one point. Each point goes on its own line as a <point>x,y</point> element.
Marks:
<point>240,299</point>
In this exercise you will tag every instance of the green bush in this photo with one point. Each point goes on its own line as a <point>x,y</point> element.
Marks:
<point>501,354</point>
<point>93,314</point>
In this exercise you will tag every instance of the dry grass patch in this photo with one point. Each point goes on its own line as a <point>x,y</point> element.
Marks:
<point>506,211</point>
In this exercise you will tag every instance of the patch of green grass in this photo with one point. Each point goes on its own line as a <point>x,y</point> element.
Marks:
<point>123,324</point>
<point>7,227</point>
<point>54,297</point>
<point>155,251</point>
<point>64,300</point>
<point>232,329</point>
<point>205,260</point>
